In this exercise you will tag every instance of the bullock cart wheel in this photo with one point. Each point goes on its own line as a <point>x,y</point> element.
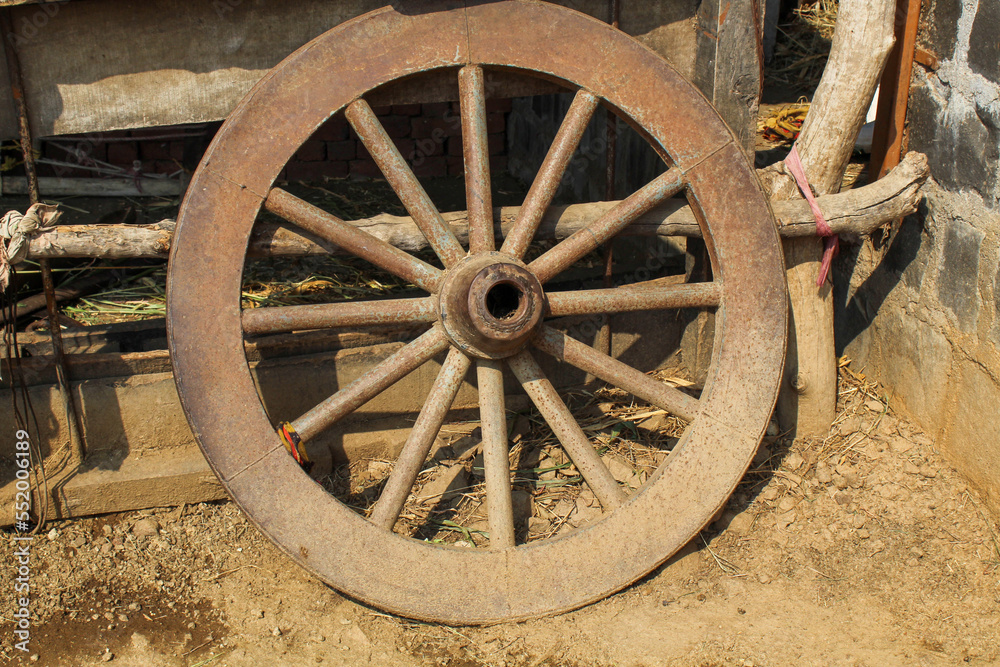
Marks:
<point>486,309</point>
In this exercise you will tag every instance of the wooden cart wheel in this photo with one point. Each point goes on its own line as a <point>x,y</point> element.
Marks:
<point>486,308</point>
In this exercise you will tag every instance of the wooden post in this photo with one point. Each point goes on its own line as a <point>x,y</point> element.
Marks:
<point>894,92</point>
<point>862,41</point>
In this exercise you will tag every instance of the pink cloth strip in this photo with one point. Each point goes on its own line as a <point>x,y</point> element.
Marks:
<point>831,242</point>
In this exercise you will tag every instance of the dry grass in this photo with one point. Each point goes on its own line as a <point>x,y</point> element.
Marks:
<point>803,46</point>
<point>550,496</point>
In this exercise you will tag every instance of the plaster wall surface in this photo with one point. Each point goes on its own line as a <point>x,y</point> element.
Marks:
<point>920,310</point>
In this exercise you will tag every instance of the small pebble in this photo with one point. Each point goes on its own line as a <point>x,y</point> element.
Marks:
<point>52,534</point>
<point>146,528</point>
<point>928,471</point>
<point>276,632</point>
<point>108,656</point>
<point>763,578</point>
<point>786,504</point>
<point>794,461</point>
<point>863,534</point>
<point>823,475</point>
<point>843,498</point>
<point>839,481</point>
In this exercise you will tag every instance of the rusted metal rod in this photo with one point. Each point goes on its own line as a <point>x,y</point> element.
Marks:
<point>21,104</point>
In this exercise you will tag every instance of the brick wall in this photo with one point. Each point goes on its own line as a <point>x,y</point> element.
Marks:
<point>428,135</point>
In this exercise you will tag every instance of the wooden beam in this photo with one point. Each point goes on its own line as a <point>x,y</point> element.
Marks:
<point>894,92</point>
<point>855,212</point>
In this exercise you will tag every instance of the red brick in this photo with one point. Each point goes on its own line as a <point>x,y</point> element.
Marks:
<point>456,166</point>
<point>495,122</point>
<point>160,167</point>
<point>364,169</point>
<point>455,146</point>
<point>436,128</point>
<point>432,167</point>
<point>382,111</point>
<point>98,150</point>
<point>498,164</point>
<point>406,109</point>
<point>396,127</point>
<point>425,148</point>
<point>335,129</point>
<point>123,153</point>
<point>341,150</point>
<point>336,168</point>
<point>497,143</point>
<point>311,151</point>
<point>435,108</point>
<point>315,172</point>
<point>177,150</point>
<point>154,150</point>
<point>502,105</point>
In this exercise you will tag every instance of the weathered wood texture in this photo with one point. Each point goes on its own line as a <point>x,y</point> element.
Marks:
<point>51,186</point>
<point>728,67</point>
<point>164,62</point>
<point>861,45</point>
<point>856,212</point>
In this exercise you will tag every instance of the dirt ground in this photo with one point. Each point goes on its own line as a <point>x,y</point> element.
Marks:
<point>865,548</point>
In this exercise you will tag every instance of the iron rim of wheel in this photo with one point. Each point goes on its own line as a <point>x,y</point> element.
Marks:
<point>360,556</point>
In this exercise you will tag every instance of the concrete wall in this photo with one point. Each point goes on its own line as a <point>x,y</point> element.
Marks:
<point>921,309</point>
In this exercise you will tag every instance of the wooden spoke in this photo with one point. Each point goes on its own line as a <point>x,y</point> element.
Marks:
<point>496,461</point>
<point>629,299</point>
<point>567,349</point>
<point>478,193</point>
<point>418,443</point>
<point>567,430</point>
<point>283,319</point>
<point>371,384</point>
<point>546,182</point>
<point>350,238</point>
<point>583,241</point>
<point>399,175</point>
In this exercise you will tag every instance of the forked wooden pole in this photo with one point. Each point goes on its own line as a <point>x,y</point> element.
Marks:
<point>861,45</point>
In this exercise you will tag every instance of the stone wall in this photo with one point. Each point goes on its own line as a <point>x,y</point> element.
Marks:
<point>920,309</point>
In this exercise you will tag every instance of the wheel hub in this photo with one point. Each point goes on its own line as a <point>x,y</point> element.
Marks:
<point>490,305</point>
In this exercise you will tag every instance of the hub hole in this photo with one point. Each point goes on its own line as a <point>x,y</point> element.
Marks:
<point>503,300</point>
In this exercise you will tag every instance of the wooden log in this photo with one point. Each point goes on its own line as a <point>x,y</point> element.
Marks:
<point>54,186</point>
<point>861,44</point>
<point>856,212</point>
